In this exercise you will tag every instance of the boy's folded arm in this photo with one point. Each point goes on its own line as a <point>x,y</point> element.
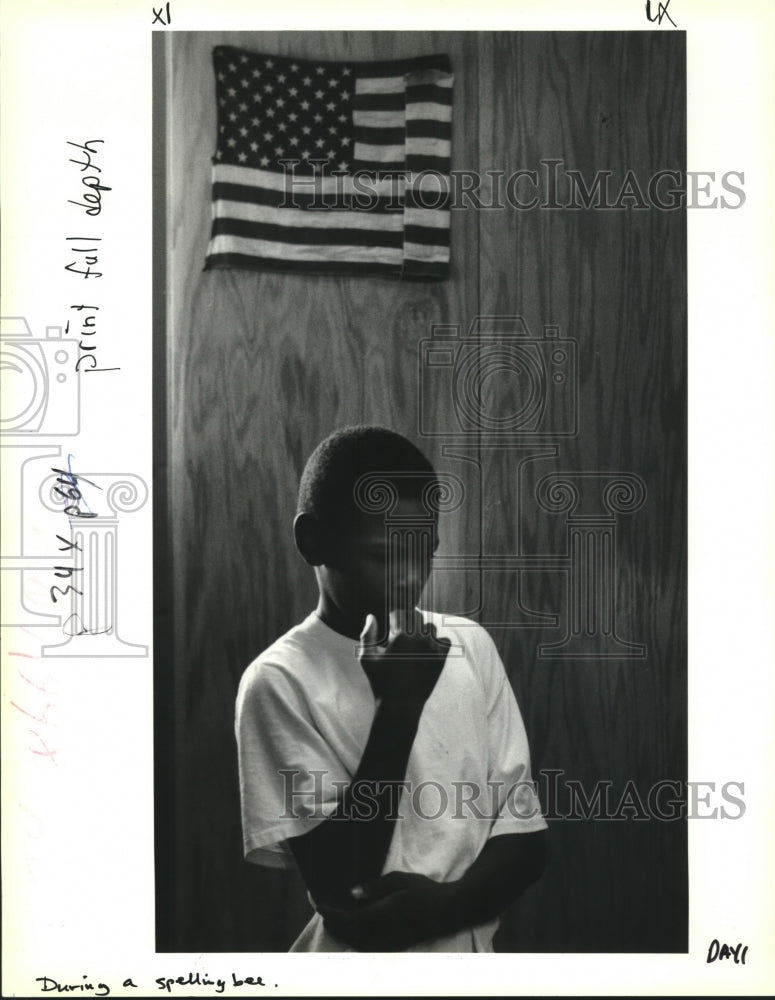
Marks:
<point>400,909</point>
<point>350,846</point>
<point>507,864</point>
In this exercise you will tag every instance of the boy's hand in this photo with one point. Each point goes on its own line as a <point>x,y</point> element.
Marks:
<point>403,673</point>
<point>392,913</point>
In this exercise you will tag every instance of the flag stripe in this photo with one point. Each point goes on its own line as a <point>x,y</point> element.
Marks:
<point>411,271</point>
<point>255,262</point>
<point>391,222</point>
<point>380,102</point>
<point>417,163</point>
<point>428,218</point>
<point>380,119</point>
<point>319,236</point>
<point>241,179</point>
<point>432,163</point>
<point>350,201</point>
<point>369,135</point>
<point>438,149</point>
<point>420,128</point>
<point>426,109</point>
<point>283,250</point>
<point>392,155</point>
<point>418,251</point>
<point>428,237</point>
<point>428,128</point>
<point>329,236</point>
<point>430,199</point>
<point>381,85</point>
<point>426,93</point>
<point>322,217</point>
<point>292,183</point>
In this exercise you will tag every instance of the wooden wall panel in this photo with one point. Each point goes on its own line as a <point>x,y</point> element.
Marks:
<point>262,366</point>
<point>615,281</point>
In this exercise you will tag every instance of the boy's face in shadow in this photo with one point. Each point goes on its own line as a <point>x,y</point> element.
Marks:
<point>380,565</point>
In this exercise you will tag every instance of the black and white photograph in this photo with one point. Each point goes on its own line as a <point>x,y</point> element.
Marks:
<point>425,453</point>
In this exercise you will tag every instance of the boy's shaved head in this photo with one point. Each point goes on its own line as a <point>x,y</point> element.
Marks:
<point>328,482</point>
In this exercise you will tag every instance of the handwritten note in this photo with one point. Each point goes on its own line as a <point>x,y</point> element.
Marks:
<point>167,984</point>
<point>85,253</point>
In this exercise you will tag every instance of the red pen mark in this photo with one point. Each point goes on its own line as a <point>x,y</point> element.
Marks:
<point>46,752</point>
<point>37,687</point>
<point>35,718</point>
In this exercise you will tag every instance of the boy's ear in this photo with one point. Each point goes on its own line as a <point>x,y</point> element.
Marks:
<point>310,538</point>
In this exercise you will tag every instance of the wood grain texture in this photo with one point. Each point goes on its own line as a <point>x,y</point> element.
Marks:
<point>262,366</point>
<point>614,280</point>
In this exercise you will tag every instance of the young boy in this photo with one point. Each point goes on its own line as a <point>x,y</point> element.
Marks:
<point>381,747</point>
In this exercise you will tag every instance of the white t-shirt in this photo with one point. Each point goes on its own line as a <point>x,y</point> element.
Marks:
<point>303,714</point>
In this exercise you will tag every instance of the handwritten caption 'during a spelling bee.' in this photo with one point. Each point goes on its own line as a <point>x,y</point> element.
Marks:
<point>166,984</point>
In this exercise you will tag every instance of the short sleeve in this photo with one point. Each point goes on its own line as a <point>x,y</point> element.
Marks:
<point>518,809</point>
<point>288,775</point>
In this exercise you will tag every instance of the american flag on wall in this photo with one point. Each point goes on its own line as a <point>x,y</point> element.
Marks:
<point>332,167</point>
